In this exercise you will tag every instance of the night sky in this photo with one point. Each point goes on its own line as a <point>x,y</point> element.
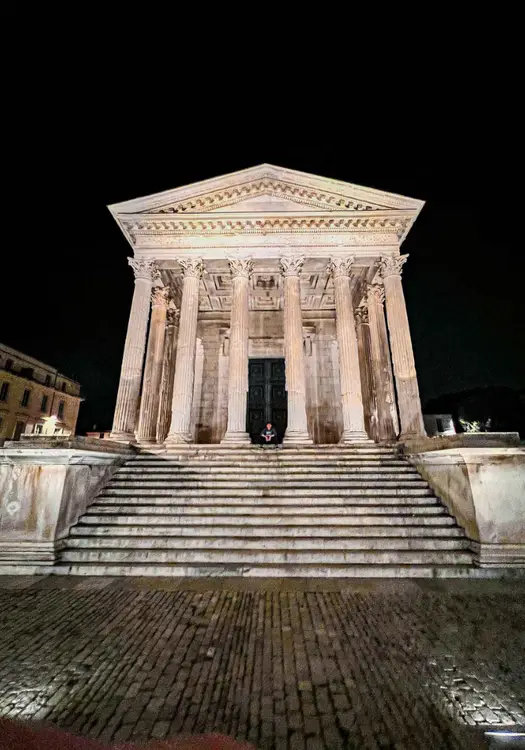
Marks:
<point>79,139</point>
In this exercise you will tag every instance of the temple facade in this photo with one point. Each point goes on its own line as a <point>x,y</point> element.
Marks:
<point>267,295</point>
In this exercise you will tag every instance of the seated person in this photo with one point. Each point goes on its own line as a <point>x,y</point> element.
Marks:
<point>269,435</point>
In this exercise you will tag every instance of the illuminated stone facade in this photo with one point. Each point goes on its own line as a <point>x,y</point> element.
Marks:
<point>267,263</point>
<point>35,399</point>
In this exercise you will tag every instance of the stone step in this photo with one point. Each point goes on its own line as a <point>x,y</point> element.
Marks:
<point>260,482</point>
<point>365,472</point>
<point>130,517</point>
<point>268,457</point>
<point>254,509</point>
<point>243,502</point>
<point>277,530</point>
<point>268,543</point>
<point>287,570</point>
<point>289,450</point>
<point>133,491</point>
<point>250,557</point>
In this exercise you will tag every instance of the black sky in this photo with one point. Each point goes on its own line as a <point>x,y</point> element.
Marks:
<point>90,123</point>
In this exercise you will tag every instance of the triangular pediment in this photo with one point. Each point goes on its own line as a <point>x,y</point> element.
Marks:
<point>267,189</point>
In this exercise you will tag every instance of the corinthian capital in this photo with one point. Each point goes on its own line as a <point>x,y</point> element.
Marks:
<point>361,314</point>
<point>142,268</point>
<point>340,266</point>
<point>242,267</point>
<point>160,296</point>
<point>391,265</point>
<point>375,294</point>
<point>291,265</point>
<point>172,316</point>
<point>191,267</point>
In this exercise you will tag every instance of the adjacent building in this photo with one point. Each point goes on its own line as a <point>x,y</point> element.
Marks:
<point>35,399</point>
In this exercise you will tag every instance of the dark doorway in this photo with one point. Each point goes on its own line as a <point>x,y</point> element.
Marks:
<point>19,430</point>
<point>267,397</point>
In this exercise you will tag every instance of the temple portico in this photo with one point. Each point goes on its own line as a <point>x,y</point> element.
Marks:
<point>267,295</point>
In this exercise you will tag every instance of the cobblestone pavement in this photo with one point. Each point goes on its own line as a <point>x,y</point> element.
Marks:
<point>285,664</point>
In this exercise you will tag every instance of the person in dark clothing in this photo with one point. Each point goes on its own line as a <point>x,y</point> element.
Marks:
<point>269,435</point>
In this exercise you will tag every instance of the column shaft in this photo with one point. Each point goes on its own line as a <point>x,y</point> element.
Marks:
<point>168,373</point>
<point>238,358</point>
<point>297,428</point>
<point>185,359</point>
<point>351,392</point>
<point>365,367</point>
<point>124,420</point>
<point>149,404</point>
<point>409,402</point>
<point>387,422</point>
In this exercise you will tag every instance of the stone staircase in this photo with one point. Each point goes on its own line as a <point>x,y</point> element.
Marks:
<point>320,511</point>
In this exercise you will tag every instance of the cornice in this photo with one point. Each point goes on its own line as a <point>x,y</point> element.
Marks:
<point>296,184</point>
<point>151,225</point>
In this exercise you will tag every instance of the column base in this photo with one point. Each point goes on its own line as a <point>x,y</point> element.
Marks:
<point>178,438</point>
<point>236,438</point>
<point>297,437</point>
<point>146,442</point>
<point>122,437</point>
<point>354,436</point>
<point>411,436</point>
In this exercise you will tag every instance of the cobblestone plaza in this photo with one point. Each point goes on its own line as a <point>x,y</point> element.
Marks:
<point>284,664</point>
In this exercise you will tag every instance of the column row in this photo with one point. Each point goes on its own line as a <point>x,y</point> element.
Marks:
<point>364,356</point>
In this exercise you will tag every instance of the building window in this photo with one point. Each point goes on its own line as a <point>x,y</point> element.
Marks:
<point>63,387</point>
<point>38,429</point>
<point>61,410</point>
<point>8,364</point>
<point>48,380</point>
<point>25,397</point>
<point>43,405</point>
<point>1,423</point>
<point>27,372</point>
<point>4,391</point>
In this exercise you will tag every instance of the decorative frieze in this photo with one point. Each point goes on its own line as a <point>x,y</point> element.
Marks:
<point>269,225</point>
<point>318,199</point>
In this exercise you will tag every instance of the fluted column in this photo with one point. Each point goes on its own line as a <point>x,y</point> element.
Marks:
<point>241,269</point>
<point>131,372</point>
<point>387,422</point>
<point>168,372</point>
<point>351,393</point>
<point>297,429</point>
<point>180,431</point>
<point>365,367</point>
<point>149,403</point>
<point>409,403</point>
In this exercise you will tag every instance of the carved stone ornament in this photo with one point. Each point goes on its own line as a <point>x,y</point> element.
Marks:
<point>160,296</point>
<point>142,268</point>
<point>241,267</point>
<point>278,224</point>
<point>392,265</point>
<point>340,266</point>
<point>361,314</point>
<point>173,314</point>
<point>191,267</point>
<point>291,265</point>
<point>376,293</point>
<point>319,199</point>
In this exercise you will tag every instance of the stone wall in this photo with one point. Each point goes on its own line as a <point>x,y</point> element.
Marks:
<point>323,393</point>
<point>485,490</point>
<point>43,491</point>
